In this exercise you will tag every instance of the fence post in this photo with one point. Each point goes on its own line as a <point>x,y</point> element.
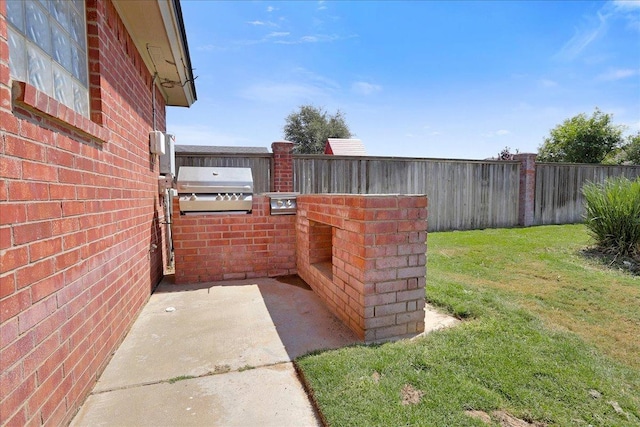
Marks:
<point>282,166</point>
<point>527,188</point>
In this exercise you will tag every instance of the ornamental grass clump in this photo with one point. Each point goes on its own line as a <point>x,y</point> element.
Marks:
<point>613,216</point>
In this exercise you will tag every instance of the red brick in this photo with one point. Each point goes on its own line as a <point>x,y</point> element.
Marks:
<point>43,210</point>
<point>39,172</point>
<point>13,258</point>
<point>391,332</point>
<point>413,202</point>
<point>62,191</point>
<point>380,202</point>
<point>5,238</point>
<point>10,167</point>
<point>413,294</point>
<point>15,351</point>
<point>7,285</point>
<point>411,272</point>
<point>32,361</point>
<point>67,259</point>
<point>13,213</point>
<point>397,285</point>
<point>25,190</point>
<point>34,272</point>
<point>14,304</point>
<point>47,392</point>
<point>70,208</point>
<point>36,313</point>
<point>383,310</point>
<point>412,226</point>
<point>25,149</point>
<point>13,402</point>
<point>8,332</point>
<point>44,248</point>
<point>47,286</point>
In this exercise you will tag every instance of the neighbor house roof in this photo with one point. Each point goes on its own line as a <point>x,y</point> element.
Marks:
<point>157,29</point>
<point>344,147</point>
<point>210,149</point>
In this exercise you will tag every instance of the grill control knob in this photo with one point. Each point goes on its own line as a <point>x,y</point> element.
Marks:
<point>219,196</point>
<point>227,197</point>
<point>193,197</point>
<point>279,203</point>
<point>288,203</point>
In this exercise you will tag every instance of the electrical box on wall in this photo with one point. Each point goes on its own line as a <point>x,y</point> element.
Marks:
<point>156,142</point>
<point>168,159</point>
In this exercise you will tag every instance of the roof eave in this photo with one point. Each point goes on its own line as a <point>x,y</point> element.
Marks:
<point>157,29</point>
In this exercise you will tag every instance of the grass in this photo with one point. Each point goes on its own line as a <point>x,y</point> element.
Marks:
<point>545,330</point>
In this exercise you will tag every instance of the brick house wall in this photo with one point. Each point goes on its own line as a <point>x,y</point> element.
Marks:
<point>79,217</point>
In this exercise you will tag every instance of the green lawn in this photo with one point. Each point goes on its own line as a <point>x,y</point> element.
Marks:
<point>548,337</point>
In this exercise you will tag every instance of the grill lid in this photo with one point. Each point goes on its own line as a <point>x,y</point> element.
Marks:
<point>214,180</point>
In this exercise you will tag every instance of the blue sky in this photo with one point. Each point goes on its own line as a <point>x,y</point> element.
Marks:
<point>414,79</point>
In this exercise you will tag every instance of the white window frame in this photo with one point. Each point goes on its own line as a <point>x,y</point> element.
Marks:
<point>48,49</point>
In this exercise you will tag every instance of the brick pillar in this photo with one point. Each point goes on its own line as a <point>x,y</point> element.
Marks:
<point>527,188</point>
<point>282,172</point>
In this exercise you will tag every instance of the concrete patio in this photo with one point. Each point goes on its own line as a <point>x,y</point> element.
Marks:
<point>218,354</point>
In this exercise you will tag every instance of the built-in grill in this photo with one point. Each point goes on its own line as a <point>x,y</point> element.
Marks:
<point>215,190</point>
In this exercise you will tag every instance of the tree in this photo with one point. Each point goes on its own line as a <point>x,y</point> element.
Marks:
<point>506,154</point>
<point>310,127</point>
<point>582,139</point>
<point>632,149</point>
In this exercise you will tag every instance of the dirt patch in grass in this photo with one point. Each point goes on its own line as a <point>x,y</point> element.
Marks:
<point>411,395</point>
<point>503,418</point>
<point>626,264</point>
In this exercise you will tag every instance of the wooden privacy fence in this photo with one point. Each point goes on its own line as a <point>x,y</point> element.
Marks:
<point>558,194</point>
<point>462,194</point>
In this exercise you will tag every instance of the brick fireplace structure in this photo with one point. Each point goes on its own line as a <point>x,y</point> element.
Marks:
<point>363,255</point>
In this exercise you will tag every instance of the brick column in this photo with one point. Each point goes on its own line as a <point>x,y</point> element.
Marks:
<point>282,172</point>
<point>527,188</point>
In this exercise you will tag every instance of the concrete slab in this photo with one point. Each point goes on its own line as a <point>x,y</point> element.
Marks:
<point>434,320</point>
<point>210,337</point>
<point>267,396</point>
<point>219,354</point>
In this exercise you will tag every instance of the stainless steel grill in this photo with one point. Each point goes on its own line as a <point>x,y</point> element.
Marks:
<point>215,189</point>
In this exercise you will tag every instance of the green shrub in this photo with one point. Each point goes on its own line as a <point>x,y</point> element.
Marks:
<point>613,215</point>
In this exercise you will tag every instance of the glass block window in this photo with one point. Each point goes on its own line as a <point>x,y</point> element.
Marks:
<point>48,49</point>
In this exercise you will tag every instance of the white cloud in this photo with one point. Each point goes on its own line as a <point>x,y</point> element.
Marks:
<point>210,48</point>
<point>500,132</point>
<point>629,5</point>
<point>315,79</point>
<point>364,88</point>
<point>322,5</point>
<point>271,9</point>
<point>547,83</point>
<point>278,34</point>
<point>618,74</point>
<point>317,38</point>
<point>299,86</point>
<point>258,23</point>
<point>597,26</point>
<point>582,38</point>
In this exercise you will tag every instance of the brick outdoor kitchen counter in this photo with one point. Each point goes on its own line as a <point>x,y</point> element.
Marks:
<point>364,255</point>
